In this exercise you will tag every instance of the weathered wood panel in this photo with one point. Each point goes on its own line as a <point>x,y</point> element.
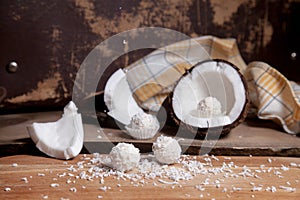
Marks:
<point>49,40</point>
<point>14,138</point>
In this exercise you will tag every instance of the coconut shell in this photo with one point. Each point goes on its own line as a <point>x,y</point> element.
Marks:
<point>209,133</point>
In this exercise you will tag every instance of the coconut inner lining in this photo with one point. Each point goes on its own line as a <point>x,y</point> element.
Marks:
<point>118,98</point>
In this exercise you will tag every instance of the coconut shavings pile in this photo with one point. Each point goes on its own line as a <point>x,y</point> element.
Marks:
<point>206,173</point>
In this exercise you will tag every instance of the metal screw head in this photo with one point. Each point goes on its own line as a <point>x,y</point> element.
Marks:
<point>12,67</point>
<point>293,55</point>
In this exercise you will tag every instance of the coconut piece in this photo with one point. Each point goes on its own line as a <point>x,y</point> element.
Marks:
<point>211,96</point>
<point>143,126</point>
<point>166,150</point>
<point>118,98</point>
<point>62,139</point>
<point>124,157</point>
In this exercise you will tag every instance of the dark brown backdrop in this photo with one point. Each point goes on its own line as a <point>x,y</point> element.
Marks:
<point>50,39</point>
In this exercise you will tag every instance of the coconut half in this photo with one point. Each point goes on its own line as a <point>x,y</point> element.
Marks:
<point>118,98</point>
<point>62,139</point>
<point>212,94</point>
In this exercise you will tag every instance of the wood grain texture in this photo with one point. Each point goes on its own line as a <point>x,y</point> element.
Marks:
<point>38,186</point>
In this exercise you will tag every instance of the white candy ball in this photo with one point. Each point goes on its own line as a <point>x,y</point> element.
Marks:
<point>144,121</point>
<point>209,106</point>
<point>166,150</point>
<point>124,157</point>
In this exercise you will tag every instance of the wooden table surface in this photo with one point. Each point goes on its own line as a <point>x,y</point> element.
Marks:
<point>30,177</point>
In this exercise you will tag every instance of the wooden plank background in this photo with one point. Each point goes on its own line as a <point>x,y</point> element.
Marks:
<point>50,40</point>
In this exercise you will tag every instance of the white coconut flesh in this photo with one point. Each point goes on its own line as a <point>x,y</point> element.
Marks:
<point>118,98</point>
<point>215,79</point>
<point>62,139</point>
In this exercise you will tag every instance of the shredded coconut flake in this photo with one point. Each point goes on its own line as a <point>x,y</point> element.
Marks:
<point>287,189</point>
<point>254,189</point>
<point>41,174</point>
<point>284,168</point>
<point>54,184</point>
<point>24,179</point>
<point>149,171</point>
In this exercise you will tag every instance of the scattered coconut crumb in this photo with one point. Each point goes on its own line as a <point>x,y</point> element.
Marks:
<point>254,189</point>
<point>167,182</point>
<point>273,189</point>
<point>199,187</point>
<point>215,158</point>
<point>99,197</point>
<point>24,179</point>
<point>14,165</point>
<point>7,189</point>
<point>284,168</point>
<point>104,188</point>
<point>45,197</point>
<point>287,189</point>
<point>73,189</point>
<point>54,184</point>
<point>150,171</point>
<point>293,164</point>
<point>236,189</point>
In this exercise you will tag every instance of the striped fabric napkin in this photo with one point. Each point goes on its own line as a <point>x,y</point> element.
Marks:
<point>275,97</point>
<point>153,77</point>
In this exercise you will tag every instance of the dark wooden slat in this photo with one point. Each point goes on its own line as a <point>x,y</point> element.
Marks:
<point>253,137</point>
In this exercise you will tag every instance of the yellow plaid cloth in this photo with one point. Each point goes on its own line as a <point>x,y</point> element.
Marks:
<point>274,96</point>
<point>153,77</point>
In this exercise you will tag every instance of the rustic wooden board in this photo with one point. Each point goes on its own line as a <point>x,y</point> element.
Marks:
<point>38,187</point>
<point>50,41</point>
<point>253,137</point>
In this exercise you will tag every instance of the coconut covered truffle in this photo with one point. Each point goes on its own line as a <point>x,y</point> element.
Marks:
<point>209,106</point>
<point>124,157</point>
<point>143,121</point>
<point>143,126</point>
<point>166,150</point>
